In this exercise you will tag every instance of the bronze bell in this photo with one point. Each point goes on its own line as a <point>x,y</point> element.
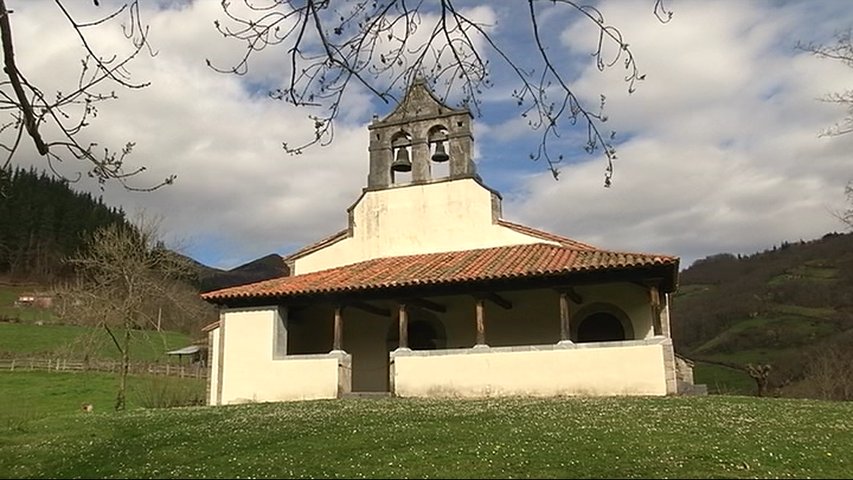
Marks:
<point>440,155</point>
<point>402,162</point>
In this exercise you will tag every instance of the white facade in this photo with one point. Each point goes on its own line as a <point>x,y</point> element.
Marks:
<point>470,339</point>
<point>433,217</point>
<point>250,363</point>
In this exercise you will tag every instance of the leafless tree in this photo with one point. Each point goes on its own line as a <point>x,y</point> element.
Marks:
<point>124,273</point>
<point>829,373</point>
<point>842,51</point>
<point>846,215</point>
<point>54,122</point>
<point>760,373</point>
<point>381,45</point>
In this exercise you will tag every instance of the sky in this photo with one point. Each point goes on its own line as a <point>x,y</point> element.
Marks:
<point>719,148</point>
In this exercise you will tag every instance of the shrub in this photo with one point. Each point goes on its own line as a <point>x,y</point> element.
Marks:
<point>167,392</point>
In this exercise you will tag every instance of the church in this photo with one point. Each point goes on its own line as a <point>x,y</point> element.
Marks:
<point>430,292</point>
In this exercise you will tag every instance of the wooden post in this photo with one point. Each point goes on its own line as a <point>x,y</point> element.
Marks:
<point>654,300</point>
<point>404,326</point>
<point>664,319</point>
<point>565,327</point>
<point>338,342</point>
<point>481,322</point>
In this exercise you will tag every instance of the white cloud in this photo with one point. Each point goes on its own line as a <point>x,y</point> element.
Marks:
<point>723,151</point>
<point>236,188</point>
<point>721,154</point>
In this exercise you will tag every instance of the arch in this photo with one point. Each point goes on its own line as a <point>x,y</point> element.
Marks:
<point>426,332</point>
<point>601,322</point>
<point>401,140</point>
<point>437,132</point>
<point>437,135</point>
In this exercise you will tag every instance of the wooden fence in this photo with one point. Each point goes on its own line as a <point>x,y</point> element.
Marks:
<point>195,370</point>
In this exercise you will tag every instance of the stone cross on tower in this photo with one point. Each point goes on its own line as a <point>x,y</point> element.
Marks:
<point>420,125</point>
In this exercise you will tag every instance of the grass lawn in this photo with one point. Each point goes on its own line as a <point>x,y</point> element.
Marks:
<point>8,296</point>
<point>675,437</point>
<point>30,340</point>
<point>28,396</point>
<point>723,380</point>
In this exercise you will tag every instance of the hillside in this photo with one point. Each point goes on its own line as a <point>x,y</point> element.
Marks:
<point>790,307</point>
<point>42,221</point>
<point>264,268</point>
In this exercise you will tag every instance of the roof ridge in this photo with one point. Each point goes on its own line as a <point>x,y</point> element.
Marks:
<point>545,235</point>
<point>312,247</point>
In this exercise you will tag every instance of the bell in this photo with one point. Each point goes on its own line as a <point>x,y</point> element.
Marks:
<point>402,162</point>
<point>440,155</point>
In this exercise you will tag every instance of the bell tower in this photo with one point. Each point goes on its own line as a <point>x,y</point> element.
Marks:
<point>420,136</point>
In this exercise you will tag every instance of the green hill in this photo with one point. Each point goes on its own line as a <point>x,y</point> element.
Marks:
<point>790,307</point>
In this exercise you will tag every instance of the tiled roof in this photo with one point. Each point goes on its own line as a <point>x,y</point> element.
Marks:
<point>510,262</point>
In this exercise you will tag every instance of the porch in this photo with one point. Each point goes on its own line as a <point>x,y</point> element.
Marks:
<point>594,339</point>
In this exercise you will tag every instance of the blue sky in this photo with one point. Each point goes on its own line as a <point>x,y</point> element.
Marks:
<point>719,148</point>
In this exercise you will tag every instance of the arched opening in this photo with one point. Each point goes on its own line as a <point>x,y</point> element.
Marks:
<point>601,322</point>
<point>401,161</point>
<point>600,327</point>
<point>439,150</point>
<point>426,332</point>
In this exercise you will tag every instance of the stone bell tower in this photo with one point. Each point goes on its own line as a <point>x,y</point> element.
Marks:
<point>418,135</point>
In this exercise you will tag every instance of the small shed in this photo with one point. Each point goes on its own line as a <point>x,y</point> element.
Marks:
<point>192,351</point>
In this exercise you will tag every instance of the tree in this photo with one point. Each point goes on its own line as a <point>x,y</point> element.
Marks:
<point>54,122</point>
<point>842,51</point>
<point>760,373</point>
<point>846,216</point>
<point>380,46</point>
<point>125,274</point>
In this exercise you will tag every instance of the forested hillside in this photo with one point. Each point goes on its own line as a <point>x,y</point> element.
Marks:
<point>790,307</point>
<point>42,220</point>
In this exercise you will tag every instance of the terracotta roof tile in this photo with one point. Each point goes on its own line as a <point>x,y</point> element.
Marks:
<point>515,261</point>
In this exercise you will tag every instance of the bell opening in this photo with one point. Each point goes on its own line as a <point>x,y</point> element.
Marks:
<point>402,163</point>
<point>440,154</point>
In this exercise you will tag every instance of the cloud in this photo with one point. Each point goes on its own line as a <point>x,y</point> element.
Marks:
<point>723,152</point>
<point>718,148</point>
<point>236,188</point>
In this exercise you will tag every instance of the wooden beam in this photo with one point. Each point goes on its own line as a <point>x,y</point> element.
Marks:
<point>337,344</point>
<point>403,318</point>
<point>494,298</point>
<point>382,312</point>
<point>565,327</point>
<point>571,293</point>
<point>428,304</point>
<point>481,322</point>
<point>654,302</point>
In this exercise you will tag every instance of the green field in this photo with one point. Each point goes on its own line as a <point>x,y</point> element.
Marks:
<point>27,396</point>
<point>675,437</point>
<point>8,310</point>
<point>723,380</point>
<point>71,341</point>
<point>35,334</point>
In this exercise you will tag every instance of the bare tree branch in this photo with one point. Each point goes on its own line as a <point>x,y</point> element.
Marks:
<point>69,113</point>
<point>842,51</point>
<point>383,45</point>
<point>125,274</point>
